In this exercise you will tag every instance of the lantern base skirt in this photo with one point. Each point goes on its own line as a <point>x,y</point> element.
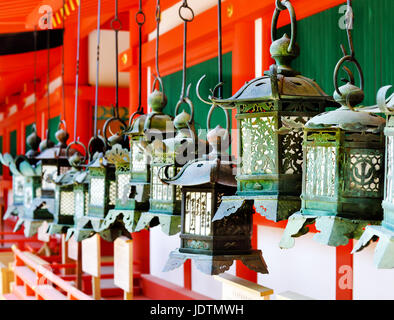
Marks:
<point>79,234</point>
<point>129,218</point>
<point>30,225</point>
<point>333,230</point>
<point>384,251</point>
<point>58,228</point>
<point>214,265</point>
<point>272,207</point>
<point>170,224</point>
<point>13,211</point>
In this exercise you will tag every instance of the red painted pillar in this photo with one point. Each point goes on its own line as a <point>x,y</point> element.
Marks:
<point>344,272</point>
<point>243,70</point>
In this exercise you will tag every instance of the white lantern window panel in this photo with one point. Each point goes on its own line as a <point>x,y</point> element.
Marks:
<point>139,158</point>
<point>49,173</point>
<point>67,203</point>
<point>320,171</point>
<point>28,196</point>
<point>79,203</point>
<point>198,213</point>
<point>97,186</point>
<point>160,190</point>
<point>122,181</point>
<point>19,182</point>
<point>390,169</point>
<point>112,193</point>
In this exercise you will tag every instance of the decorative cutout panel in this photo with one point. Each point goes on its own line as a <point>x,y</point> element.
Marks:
<point>390,169</point>
<point>48,173</point>
<point>364,172</point>
<point>258,145</point>
<point>122,181</point>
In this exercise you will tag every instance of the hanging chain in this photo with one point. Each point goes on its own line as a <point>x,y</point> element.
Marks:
<point>140,19</point>
<point>220,53</point>
<point>184,8</point>
<point>77,72</point>
<point>48,81</point>
<point>348,57</point>
<point>158,20</point>
<point>35,75</point>
<point>63,89</point>
<point>97,66</point>
<point>116,25</point>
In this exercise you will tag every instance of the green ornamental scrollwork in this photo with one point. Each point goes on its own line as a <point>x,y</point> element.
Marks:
<point>257,107</point>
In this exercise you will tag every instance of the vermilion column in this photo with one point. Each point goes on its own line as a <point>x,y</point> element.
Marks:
<point>243,70</point>
<point>266,43</point>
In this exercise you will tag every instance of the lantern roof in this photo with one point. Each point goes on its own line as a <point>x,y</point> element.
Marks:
<point>117,155</point>
<point>204,171</point>
<point>99,161</point>
<point>349,120</point>
<point>151,123</point>
<point>66,178</point>
<point>274,85</point>
<point>81,177</point>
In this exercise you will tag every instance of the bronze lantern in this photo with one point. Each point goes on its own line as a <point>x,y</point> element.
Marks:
<point>53,163</point>
<point>342,186</point>
<point>269,111</point>
<point>26,176</point>
<point>213,235</point>
<point>383,257</point>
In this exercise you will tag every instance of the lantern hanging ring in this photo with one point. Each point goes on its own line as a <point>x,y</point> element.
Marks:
<point>280,6</point>
<point>77,142</point>
<point>185,8</point>
<point>96,144</point>
<point>106,126</point>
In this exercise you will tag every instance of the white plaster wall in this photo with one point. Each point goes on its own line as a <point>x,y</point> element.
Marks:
<point>107,57</point>
<point>160,247</point>
<point>205,284</point>
<point>370,283</point>
<point>307,269</point>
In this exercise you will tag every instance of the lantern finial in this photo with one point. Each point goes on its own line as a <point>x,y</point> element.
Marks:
<point>285,49</point>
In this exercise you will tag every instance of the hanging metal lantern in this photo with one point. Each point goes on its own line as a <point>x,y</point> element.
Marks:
<point>53,163</point>
<point>384,252</point>
<point>213,235</point>
<point>81,229</point>
<point>25,175</point>
<point>343,171</point>
<point>269,111</point>
<point>65,204</point>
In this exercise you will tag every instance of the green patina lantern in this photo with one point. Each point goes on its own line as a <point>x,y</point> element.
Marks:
<point>212,235</point>
<point>164,149</point>
<point>384,252</point>
<point>66,203</point>
<point>24,171</point>
<point>53,163</point>
<point>81,229</point>
<point>101,193</point>
<point>343,171</point>
<point>132,177</point>
<point>268,108</point>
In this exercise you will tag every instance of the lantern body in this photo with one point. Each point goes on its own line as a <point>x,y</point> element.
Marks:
<point>199,235</point>
<point>102,189</point>
<point>82,227</point>
<point>213,234</point>
<point>270,110</point>
<point>343,174</point>
<point>18,182</point>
